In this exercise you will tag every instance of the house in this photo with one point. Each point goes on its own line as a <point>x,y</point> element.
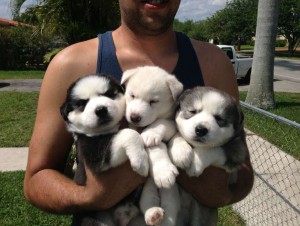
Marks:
<point>6,23</point>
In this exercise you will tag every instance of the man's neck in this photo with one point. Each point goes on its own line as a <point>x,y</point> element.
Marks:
<point>159,50</point>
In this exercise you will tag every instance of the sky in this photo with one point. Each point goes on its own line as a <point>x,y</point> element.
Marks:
<point>189,9</point>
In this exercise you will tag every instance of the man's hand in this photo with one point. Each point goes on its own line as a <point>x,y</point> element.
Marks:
<point>107,189</point>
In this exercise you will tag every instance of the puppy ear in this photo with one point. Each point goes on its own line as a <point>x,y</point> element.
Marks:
<point>175,86</point>
<point>241,114</point>
<point>236,151</point>
<point>127,75</point>
<point>64,111</point>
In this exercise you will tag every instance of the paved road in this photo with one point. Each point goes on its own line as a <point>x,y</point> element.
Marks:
<point>286,79</point>
<point>286,76</point>
<point>287,69</point>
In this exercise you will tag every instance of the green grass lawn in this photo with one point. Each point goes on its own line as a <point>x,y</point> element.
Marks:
<point>15,210</point>
<point>287,106</point>
<point>18,112</point>
<point>21,74</point>
<point>279,52</point>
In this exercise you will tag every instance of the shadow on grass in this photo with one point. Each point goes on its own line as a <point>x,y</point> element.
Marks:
<point>4,84</point>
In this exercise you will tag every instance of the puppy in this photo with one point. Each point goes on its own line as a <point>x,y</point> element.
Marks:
<point>93,110</point>
<point>151,95</point>
<point>210,125</point>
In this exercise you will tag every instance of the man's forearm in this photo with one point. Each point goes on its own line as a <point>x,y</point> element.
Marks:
<point>53,192</point>
<point>213,187</point>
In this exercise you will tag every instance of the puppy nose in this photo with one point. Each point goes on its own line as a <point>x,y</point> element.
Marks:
<point>135,118</point>
<point>101,111</point>
<point>201,131</point>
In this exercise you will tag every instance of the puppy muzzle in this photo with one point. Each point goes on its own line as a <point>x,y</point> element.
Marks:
<point>200,131</point>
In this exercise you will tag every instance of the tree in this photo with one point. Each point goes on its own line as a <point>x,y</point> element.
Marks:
<point>261,92</point>
<point>72,21</point>
<point>289,23</point>
<point>195,30</point>
<point>235,23</point>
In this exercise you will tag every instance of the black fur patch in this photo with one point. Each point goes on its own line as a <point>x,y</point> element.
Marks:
<point>236,151</point>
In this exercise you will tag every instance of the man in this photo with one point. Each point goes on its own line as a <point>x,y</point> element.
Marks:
<point>145,37</point>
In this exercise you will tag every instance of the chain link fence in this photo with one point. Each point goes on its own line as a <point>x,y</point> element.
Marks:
<point>274,145</point>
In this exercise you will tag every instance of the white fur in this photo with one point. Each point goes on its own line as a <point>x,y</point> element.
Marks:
<point>124,213</point>
<point>160,130</point>
<point>151,94</point>
<point>161,168</point>
<point>204,157</point>
<point>87,121</point>
<point>128,144</point>
<point>195,155</point>
<point>90,86</point>
<point>206,109</point>
<point>160,206</point>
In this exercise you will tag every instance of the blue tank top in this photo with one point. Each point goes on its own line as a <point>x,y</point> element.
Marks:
<point>187,69</point>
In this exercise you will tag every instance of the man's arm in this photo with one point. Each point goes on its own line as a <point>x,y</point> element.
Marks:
<point>213,187</point>
<point>44,185</point>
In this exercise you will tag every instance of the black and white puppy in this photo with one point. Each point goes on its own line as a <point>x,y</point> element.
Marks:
<point>93,110</point>
<point>211,132</point>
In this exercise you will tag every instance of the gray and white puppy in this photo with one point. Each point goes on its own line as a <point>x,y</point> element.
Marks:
<point>211,132</point>
<point>93,110</point>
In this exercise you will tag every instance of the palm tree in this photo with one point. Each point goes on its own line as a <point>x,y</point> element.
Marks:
<point>261,90</point>
<point>15,6</point>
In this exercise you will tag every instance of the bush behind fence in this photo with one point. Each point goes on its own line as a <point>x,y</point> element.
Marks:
<point>275,198</point>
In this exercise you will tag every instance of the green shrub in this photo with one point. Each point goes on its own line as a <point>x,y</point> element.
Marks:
<point>281,43</point>
<point>21,50</point>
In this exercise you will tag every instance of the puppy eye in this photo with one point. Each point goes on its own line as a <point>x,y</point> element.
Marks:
<point>221,122</point>
<point>153,102</point>
<point>80,104</point>
<point>132,96</point>
<point>111,93</point>
<point>189,114</point>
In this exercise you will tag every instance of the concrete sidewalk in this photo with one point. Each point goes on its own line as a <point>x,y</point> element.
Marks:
<point>13,159</point>
<point>275,197</point>
<point>21,85</point>
<point>274,200</point>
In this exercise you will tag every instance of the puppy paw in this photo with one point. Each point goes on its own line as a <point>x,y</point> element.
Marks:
<point>151,138</point>
<point>164,174</point>
<point>140,163</point>
<point>154,216</point>
<point>124,213</point>
<point>182,155</point>
<point>194,170</point>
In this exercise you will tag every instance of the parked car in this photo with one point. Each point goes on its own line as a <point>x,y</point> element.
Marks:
<point>242,63</point>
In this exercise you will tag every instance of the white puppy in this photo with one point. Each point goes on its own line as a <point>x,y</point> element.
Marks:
<point>151,95</point>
